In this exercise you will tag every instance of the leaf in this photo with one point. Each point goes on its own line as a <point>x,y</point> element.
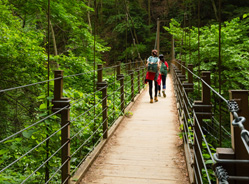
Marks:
<point>3,151</point>
<point>209,162</point>
<point>18,139</point>
<point>43,106</point>
<point>245,15</point>
<point>41,97</point>
<point>28,134</point>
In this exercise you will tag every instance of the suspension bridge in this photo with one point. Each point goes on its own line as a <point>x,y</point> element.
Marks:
<point>114,135</point>
<point>135,141</point>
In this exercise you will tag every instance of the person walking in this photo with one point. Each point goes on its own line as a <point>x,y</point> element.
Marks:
<point>152,73</point>
<point>164,68</point>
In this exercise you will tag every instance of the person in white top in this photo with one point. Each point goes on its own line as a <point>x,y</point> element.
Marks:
<point>152,74</point>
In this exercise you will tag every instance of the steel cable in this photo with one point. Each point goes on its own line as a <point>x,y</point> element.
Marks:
<point>216,122</point>
<point>187,142</point>
<point>58,170</point>
<point>203,161</point>
<point>197,122</point>
<point>209,133</point>
<point>214,130</point>
<point>78,100</point>
<point>34,148</point>
<point>87,154</point>
<point>111,67</point>
<point>198,168</point>
<point>205,83</point>
<point>88,110</point>
<point>46,117</point>
<point>88,124</point>
<point>46,160</point>
<point>19,87</point>
<point>87,140</point>
<point>34,124</point>
<point>66,179</point>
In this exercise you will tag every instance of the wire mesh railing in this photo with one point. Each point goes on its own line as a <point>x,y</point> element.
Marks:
<point>201,130</point>
<point>74,129</point>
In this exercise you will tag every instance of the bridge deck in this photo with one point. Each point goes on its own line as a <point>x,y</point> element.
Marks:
<point>145,148</point>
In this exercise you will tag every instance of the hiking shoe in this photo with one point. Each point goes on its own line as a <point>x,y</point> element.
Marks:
<point>164,94</point>
<point>159,94</point>
<point>151,100</point>
<point>156,100</point>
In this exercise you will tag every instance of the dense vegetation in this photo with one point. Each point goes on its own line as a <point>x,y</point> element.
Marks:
<point>75,28</point>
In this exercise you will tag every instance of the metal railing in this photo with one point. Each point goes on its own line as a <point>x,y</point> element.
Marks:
<point>77,134</point>
<point>198,125</point>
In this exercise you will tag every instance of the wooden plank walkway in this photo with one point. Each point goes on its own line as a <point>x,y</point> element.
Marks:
<point>145,149</point>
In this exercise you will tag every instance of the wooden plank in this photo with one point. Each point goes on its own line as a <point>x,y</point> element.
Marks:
<point>145,148</point>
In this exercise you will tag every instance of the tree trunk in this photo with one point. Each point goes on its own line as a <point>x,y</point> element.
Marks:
<point>53,37</point>
<point>215,10</point>
<point>101,13</point>
<point>149,12</point>
<point>89,16</point>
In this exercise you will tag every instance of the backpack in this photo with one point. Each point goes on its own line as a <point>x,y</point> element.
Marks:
<point>163,69</point>
<point>152,67</point>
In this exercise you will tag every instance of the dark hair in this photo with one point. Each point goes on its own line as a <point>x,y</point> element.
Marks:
<point>154,52</point>
<point>161,57</point>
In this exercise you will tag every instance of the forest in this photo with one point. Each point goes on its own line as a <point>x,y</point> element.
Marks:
<point>40,36</point>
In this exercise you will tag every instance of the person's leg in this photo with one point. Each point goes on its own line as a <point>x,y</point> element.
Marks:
<point>155,84</point>
<point>164,85</point>
<point>159,90</point>
<point>150,90</point>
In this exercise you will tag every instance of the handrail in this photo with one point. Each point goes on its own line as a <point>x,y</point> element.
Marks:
<point>233,108</point>
<point>188,114</point>
<point>128,89</point>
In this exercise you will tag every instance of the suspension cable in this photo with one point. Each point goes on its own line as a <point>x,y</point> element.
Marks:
<point>155,40</point>
<point>219,65</point>
<point>33,148</point>
<point>204,83</point>
<point>19,87</point>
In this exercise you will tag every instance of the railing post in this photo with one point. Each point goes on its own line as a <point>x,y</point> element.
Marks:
<point>241,97</point>
<point>131,73</point>
<point>145,69</point>
<point>183,69</point>
<point>142,72</point>
<point>180,65</point>
<point>103,86</point>
<point>58,103</point>
<point>189,87</point>
<point>138,76</point>
<point>120,77</point>
<point>190,75</point>
<point>226,153</point>
<point>203,111</point>
<point>206,95</point>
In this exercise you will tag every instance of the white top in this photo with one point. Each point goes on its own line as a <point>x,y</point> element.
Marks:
<point>148,62</point>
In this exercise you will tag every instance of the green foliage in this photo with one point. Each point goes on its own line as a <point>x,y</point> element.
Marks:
<point>234,54</point>
<point>208,162</point>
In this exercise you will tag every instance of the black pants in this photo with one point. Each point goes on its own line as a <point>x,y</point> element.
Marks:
<point>150,88</point>
<point>164,83</point>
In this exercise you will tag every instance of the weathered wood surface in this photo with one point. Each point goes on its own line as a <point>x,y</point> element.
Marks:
<point>145,149</point>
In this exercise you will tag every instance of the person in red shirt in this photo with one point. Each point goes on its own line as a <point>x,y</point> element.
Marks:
<point>164,68</point>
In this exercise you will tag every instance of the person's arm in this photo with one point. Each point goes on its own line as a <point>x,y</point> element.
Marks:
<point>147,62</point>
<point>167,65</point>
<point>159,65</point>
